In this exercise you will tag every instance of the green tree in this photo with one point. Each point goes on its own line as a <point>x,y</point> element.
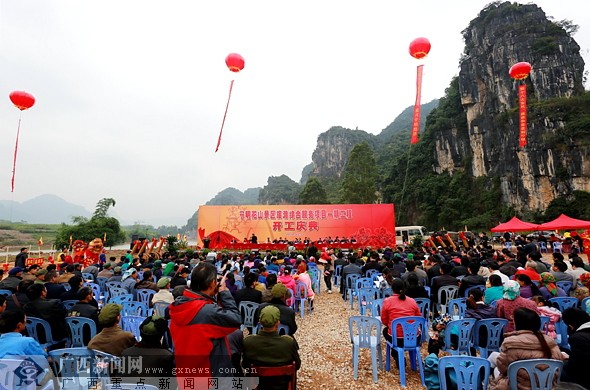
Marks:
<point>96,227</point>
<point>279,190</point>
<point>313,192</point>
<point>359,183</point>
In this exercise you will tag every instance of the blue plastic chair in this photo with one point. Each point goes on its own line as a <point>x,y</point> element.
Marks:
<point>77,325</point>
<point>96,291</point>
<point>301,298</point>
<point>350,282</point>
<point>102,282</point>
<point>365,296</point>
<point>470,372</point>
<point>424,306</point>
<point>543,247</point>
<point>541,379</point>
<point>337,275</point>
<point>412,327</point>
<point>315,276</point>
<point>457,308</point>
<point>121,298</point>
<point>564,302</point>
<point>371,272</point>
<point>110,285</point>
<point>386,292</point>
<point>365,332</point>
<point>585,305</point>
<point>40,330</point>
<point>73,367</point>
<point>495,328</point>
<point>282,330</point>
<point>565,286</point>
<point>248,312</point>
<point>69,303</point>
<point>116,292</point>
<point>463,328</point>
<point>134,308</point>
<point>160,308</point>
<point>66,286</point>
<point>557,247</point>
<point>88,276</point>
<point>373,307</point>
<point>145,295</point>
<point>131,324</point>
<point>468,290</point>
<point>358,284</point>
<point>445,294</point>
<point>6,292</point>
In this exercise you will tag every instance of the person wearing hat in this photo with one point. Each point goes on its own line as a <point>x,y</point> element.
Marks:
<point>107,271</point>
<point>268,348</point>
<point>40,276</point>
<point>204,320</point>
<point>13,279</point>
<point>163,294</point>
<point>179,279</point>
<point>129,279</point>
<point>280,294</point>
<point>111,339</point>
<point>154,357</point>
<point>117,274</point>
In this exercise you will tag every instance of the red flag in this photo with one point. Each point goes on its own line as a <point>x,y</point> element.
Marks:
<point>416,120</point>
<point>523,116</point>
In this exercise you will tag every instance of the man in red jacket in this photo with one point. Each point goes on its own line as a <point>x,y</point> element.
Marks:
<point>202,321</point>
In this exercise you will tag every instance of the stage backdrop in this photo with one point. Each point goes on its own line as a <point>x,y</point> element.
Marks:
<point>367,224</point>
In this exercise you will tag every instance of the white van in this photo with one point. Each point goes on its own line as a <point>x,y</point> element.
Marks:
<point>407,233</point>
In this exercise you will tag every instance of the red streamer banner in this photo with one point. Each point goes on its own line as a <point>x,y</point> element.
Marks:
<point>523,116</point>
<point>231,85</point>
<point>416,120</point>
<point>14,160</point>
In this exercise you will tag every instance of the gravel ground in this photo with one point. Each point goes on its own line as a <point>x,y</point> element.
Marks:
<point>326,351</point>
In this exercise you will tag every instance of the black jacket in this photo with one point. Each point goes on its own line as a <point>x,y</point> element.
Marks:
<point>52,311</point>
<point>576,367</point>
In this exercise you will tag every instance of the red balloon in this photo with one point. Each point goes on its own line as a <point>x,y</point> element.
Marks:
<point>520,71</point>
<point>22,100</point>
<point>234,62</point>
<point>419,48</point>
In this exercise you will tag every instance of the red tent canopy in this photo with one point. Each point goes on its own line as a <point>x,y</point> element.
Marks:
<point>515,225</point>
<point>564,222</point>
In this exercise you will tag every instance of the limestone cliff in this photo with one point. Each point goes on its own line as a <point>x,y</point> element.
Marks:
<point>502,35</point>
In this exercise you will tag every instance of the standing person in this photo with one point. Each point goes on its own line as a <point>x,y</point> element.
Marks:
<point>527,342</point>
<point>21,259</point>
<point>328,274</point>
<point>203,320</point>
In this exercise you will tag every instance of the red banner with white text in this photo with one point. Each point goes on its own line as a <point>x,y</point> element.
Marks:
<point>359,224</point>
<point>523,117</point>
<point>416,119</point>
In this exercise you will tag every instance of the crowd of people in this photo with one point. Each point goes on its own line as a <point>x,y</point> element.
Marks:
<point>200,334</point>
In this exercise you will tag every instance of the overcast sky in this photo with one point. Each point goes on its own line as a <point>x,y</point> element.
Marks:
<point>131,94</point>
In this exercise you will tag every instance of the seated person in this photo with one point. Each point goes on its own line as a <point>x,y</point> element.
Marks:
<point>50,310</point>
<point>156,360</point>
<point>13,345</point>
<point>111,339</point>
<point>268,349</point>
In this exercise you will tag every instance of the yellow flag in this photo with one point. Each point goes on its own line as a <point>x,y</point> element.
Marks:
<point>40,242</point>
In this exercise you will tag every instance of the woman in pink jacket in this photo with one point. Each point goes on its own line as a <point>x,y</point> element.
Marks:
<point>286,279</point>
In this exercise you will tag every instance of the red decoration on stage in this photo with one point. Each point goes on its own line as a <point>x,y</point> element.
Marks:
<point>235,63</point>
<point>23,101</point>
<point>419,49</point>
<point>520,72</point>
